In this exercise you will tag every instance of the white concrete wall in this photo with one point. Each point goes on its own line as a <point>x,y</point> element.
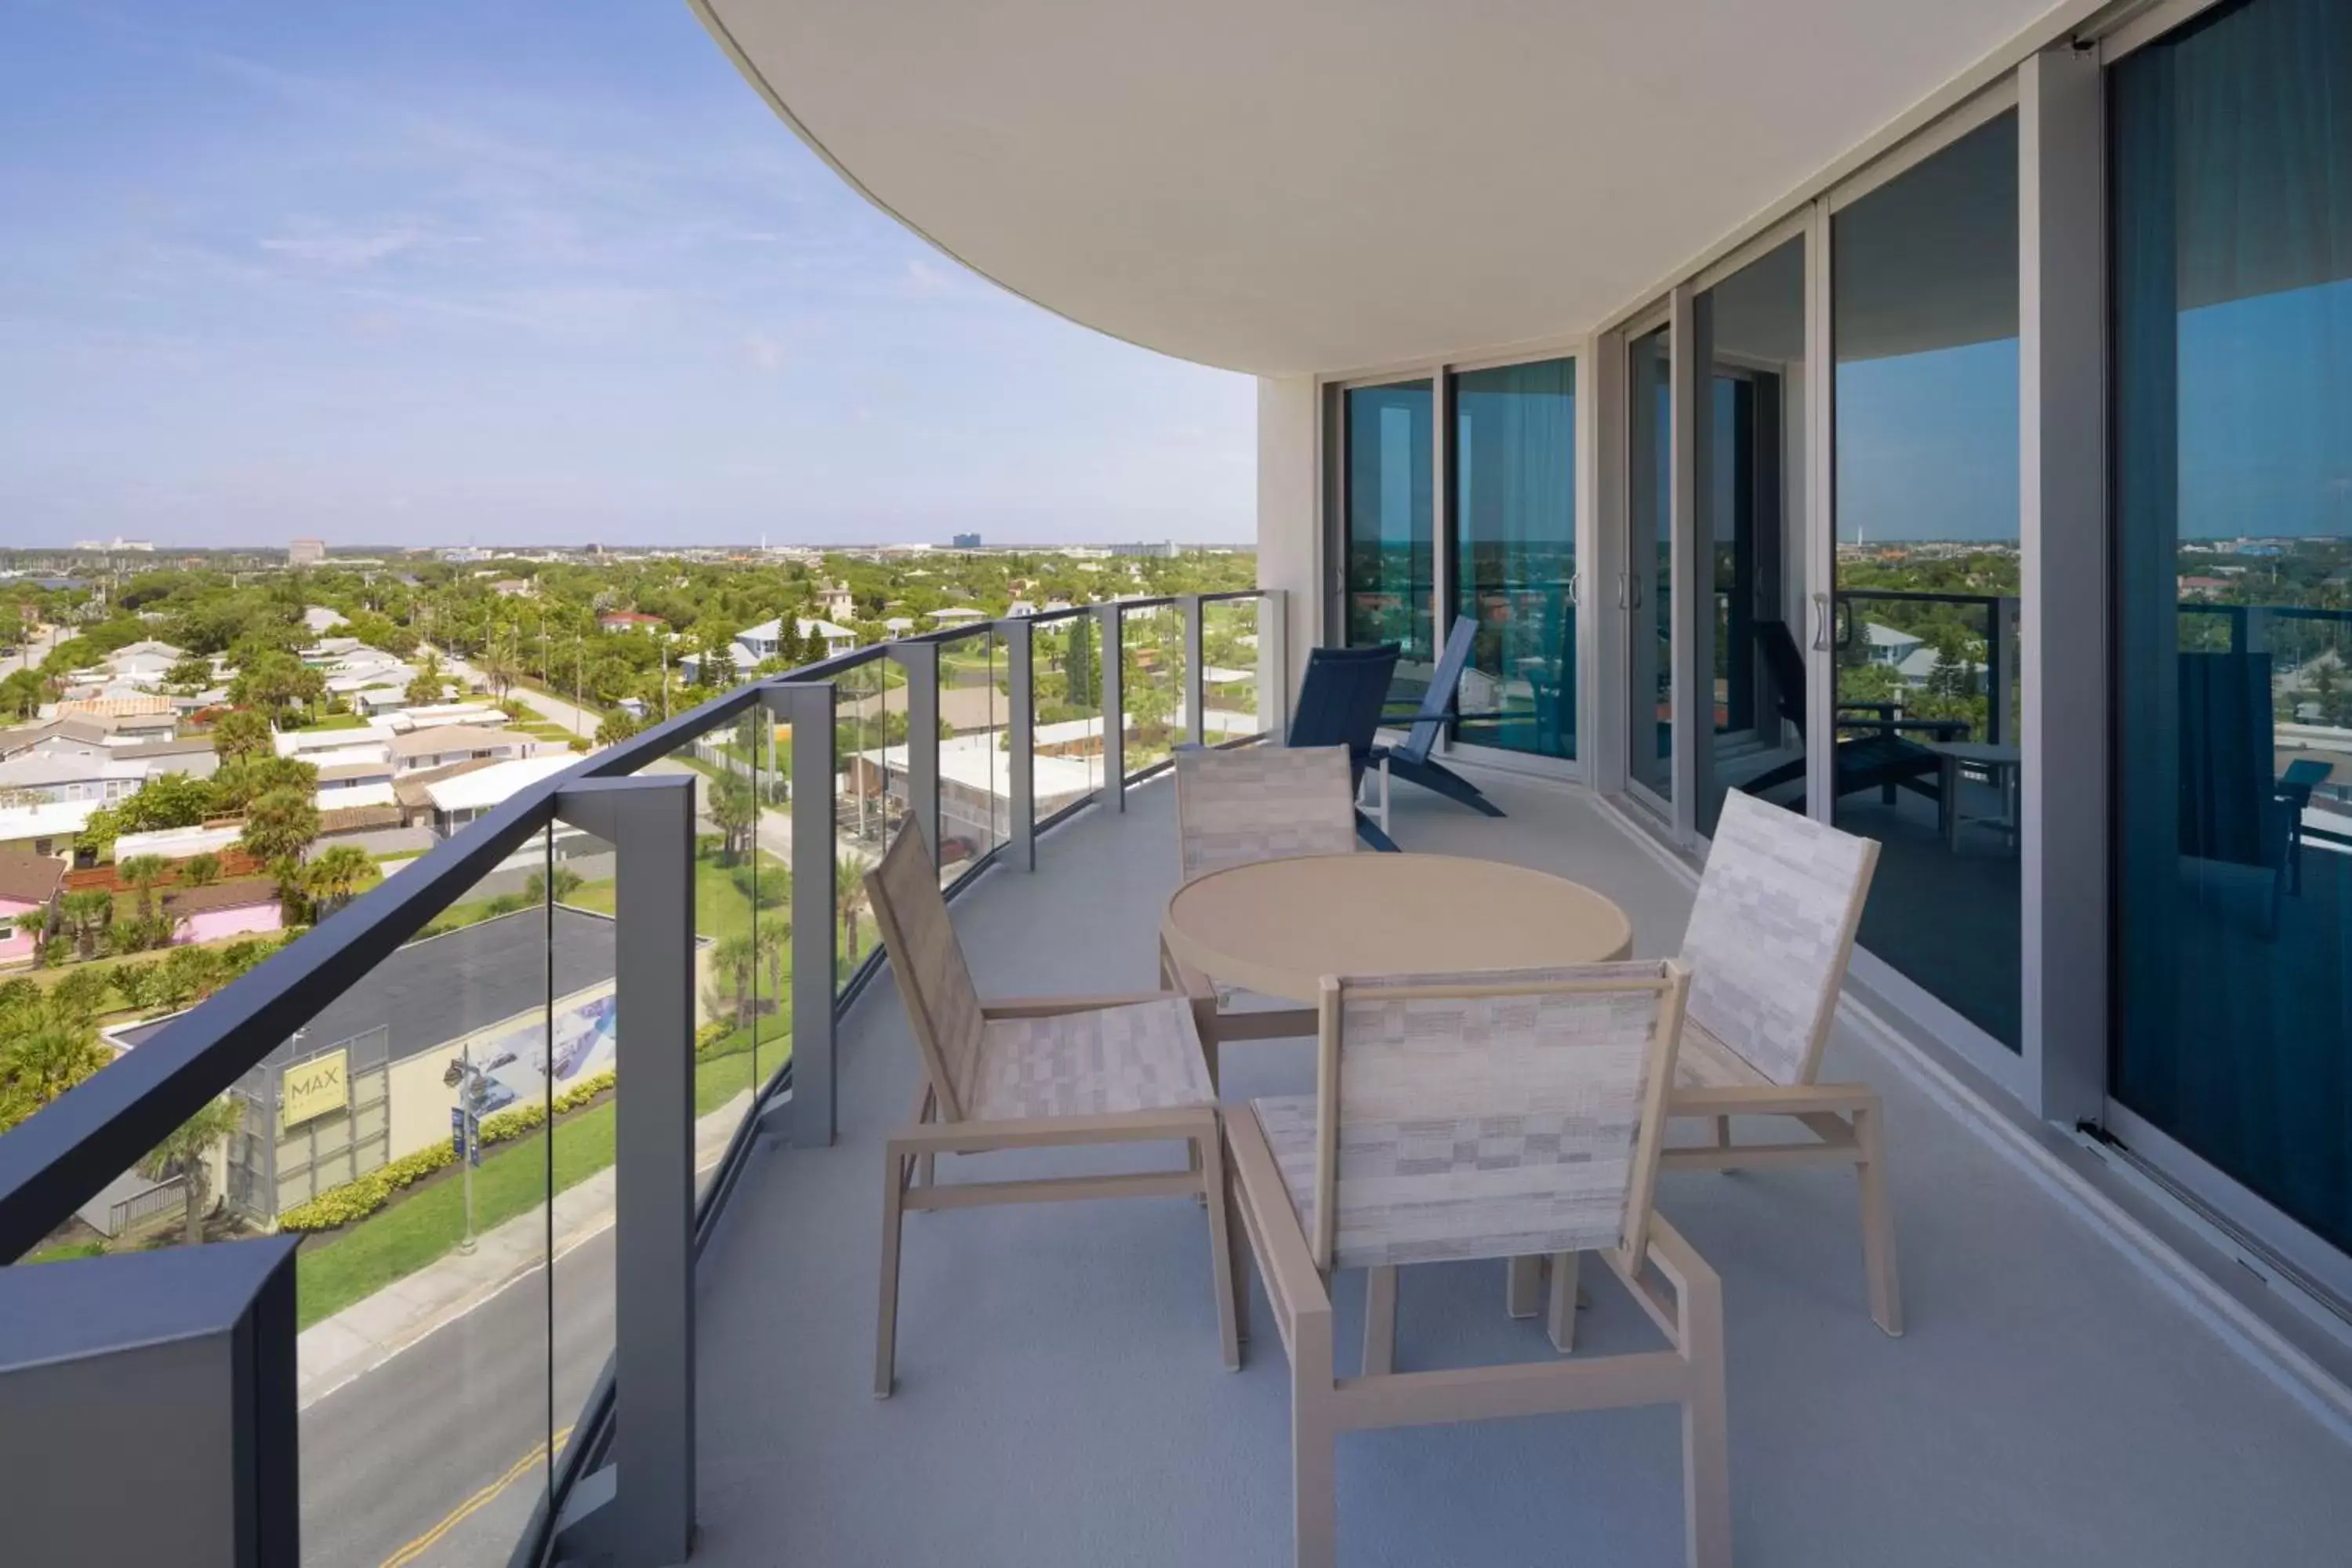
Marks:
<point>1289,525</point>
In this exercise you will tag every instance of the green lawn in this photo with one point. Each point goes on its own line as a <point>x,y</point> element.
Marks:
<point>335,722</point>
<point>424,1225</point>
<point>414,1230</point>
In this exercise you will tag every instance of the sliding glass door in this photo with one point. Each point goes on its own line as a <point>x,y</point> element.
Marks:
<point>1750,329</point>
<point>1645,590</point>
<point>2232,614</point>
<point>1923,739</point>
<point>1389,587</point>
<point>1514,554</point>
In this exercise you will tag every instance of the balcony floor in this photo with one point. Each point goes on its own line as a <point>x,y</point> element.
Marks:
<point>1060,1402</point>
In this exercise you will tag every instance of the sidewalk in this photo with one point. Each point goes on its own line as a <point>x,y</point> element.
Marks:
<point>365,1334</point>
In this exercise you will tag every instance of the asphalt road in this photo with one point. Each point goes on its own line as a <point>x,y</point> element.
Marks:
<point>399,1465</point>
<point>35,649</point>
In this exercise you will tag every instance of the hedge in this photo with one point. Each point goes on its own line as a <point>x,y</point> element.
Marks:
<point>355,1200</point>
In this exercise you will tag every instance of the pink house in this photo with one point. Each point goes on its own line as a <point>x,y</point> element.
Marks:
<point>27,883</point>
<point>226,909</point>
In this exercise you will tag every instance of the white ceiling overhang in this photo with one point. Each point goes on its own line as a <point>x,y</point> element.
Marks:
<point>1292,185</point>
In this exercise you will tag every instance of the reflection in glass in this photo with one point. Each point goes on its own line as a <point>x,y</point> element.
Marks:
<point>1514,554</point>
<point>2233,297</point>
<point>1391,553</point>
<point>1925,319</point>
<point>1751,328</point>
<point>1647,591</point>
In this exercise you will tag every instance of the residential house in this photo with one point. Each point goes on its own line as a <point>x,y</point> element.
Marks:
<point>29,885</point>
<point>836,600</point>
<point>45,827</point>
<point>38,777</point>
<point>244,908</point>
<point>1887,645</point>
<point>191,754</point>
<point>629,621</point>
<point>461,794</point>
<point>439,746</point>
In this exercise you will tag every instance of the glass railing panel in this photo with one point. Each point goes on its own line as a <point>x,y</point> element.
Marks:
<point>422,1357</point>
<point>741,887</point>
<point>869,759</point>
<point>583,1045</point>
<point>975,789</point>
<point>1229,669</point>
<point>1067,702</point>
<point>1151,678</point>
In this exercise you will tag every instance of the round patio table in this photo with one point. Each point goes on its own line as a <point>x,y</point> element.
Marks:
<point>1279,927</point>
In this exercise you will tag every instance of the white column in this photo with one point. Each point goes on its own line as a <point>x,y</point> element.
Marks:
<point>2063,534</point>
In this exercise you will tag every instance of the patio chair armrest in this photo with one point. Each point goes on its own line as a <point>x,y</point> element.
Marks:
<point>1045,1131</point>
<point>1679,1261</point>
<point>1770,1099</point>
<point>1047,1007</point>
<point>1293,1284</point>
<point>1193,983</point>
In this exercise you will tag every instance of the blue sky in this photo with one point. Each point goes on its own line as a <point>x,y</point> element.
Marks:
<point>1927,442</point>
<point>519,270</point>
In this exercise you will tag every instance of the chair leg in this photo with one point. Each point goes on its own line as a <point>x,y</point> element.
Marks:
<point>1707,1459</point>
<point>1380,1320</point>
<point>1314,1441</point>
<point>886,1330</point>
<point>1877,1220</point>
<point>1237,1266</point>
<point>1209,1153</point>
<point>1560,1318</point>
<point>1519,1288</point>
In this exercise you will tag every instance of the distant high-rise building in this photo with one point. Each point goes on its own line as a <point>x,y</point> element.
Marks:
<point>306,552</point>
<point>1166,549</point>
<point>967,542</point>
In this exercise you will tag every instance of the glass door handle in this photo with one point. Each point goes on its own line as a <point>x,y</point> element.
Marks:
<point>1821,618</point>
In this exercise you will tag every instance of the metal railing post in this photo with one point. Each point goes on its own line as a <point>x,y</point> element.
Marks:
<point>807,707</point>
<point>1999,667</point>
<point>920,660</point>
<point>1114,710</point>
<point>645,1517</point>
<point>1196,684</point>
<point>1021,762</point>
<point>1274,661</point>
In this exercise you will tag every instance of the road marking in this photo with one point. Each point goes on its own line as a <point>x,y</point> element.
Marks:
<point>425,1542</point>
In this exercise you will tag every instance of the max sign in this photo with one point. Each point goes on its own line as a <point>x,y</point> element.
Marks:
<point>314,1088</point>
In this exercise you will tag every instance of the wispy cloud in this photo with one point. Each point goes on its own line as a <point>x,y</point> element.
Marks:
<point>766,353</point>
<point>357,248</point>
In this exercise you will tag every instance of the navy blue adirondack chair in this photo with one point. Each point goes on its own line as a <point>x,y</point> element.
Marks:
<point>1340,699</point>
<point>1409,759</point>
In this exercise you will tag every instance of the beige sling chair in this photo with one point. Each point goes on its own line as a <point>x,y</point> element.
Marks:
<point>1042,1072</point>
<point>1252,803</point>
<point>1495,1114</point>
<point>1767,945</point>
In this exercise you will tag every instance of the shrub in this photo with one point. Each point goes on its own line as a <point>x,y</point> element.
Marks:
<point>355,1200</point>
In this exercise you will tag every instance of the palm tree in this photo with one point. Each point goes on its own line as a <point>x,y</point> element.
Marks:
<point>87,915</point>
<point>849,900</point>
<point>774,938</point>
<point>498,671</point>
<point>200,870</point>
<point>143,872</point>
<point>338,874</point>
<point>187,1150</point>
<point>734,807</point>
<point>736,960</point>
